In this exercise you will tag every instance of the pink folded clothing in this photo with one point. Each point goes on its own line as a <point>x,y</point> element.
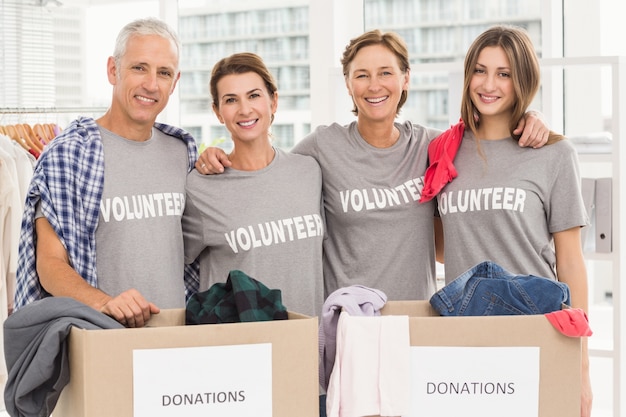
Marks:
<point>571,322</point>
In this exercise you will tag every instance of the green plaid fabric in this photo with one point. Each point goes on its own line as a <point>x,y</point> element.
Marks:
<point>240,299</point>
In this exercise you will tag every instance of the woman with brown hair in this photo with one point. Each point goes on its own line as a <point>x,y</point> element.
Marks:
<point>263,214</point>
<point>517,207</point>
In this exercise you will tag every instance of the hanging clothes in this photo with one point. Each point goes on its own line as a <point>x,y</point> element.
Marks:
<point>16,170</point>
<point>32,138</point>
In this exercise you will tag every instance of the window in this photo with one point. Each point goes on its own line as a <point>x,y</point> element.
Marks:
<point>283,136</point>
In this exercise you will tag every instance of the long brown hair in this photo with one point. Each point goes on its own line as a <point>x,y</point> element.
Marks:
<point>525,73</point>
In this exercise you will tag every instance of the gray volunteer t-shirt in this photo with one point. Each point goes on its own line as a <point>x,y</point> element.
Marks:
<point>139,240</point>
<point>266,223</point>
<point>379,235</point>
<point>504,206</point>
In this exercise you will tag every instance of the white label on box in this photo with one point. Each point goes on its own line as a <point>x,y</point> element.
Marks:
<point>474,381</point>
<point>226,381</point>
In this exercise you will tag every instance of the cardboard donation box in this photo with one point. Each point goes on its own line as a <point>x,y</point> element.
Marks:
<point>258,369</point>
<point>489,365</point>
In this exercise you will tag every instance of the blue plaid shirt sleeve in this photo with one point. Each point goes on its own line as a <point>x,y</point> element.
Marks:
<point>67,182</point>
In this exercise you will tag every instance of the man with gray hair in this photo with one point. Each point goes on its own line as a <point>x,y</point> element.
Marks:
<point>102,220</point>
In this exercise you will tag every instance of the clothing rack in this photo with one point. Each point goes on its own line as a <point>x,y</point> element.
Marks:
<point>32,138</point>
<point>58,115</point>
<point>34,127</point>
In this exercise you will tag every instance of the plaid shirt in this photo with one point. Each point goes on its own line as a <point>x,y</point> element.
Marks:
<point>240,299</point>
<point>68,181</point>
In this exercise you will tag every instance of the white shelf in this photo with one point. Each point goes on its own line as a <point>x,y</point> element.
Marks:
<point>610,344</point>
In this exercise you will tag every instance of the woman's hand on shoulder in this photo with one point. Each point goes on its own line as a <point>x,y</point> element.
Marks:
<point>212,161</point>
<point>533,130</point>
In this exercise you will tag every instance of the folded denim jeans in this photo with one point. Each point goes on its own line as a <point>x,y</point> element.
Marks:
<point>487,289</point>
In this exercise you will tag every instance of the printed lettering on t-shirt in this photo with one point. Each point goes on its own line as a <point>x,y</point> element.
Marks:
<point>142,206</point>
<point>381,198</point>
<point>482,199</point>
<point>275,232</point>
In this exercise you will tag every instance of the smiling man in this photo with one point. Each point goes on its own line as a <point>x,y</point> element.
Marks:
<point>72,241</point>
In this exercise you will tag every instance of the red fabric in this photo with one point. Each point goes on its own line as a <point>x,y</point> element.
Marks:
<point>441,153</point>
<point>34,153</point>
<point>571,322</point>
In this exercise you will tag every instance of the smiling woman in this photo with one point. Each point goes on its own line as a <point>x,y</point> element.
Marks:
<point>245,103</point>
<point>503,190</point>
<point>263,214</point>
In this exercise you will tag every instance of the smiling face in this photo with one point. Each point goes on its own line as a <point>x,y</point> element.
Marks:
<point>143,81</point>
<point>375,82</point>
<point>245,106</point>
<point>501,76</point>
<point>491,86</point>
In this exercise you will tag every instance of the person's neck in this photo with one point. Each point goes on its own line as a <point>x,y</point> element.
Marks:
<point>493,128</point>
<point>379,135</point>
<point>251,157</point>
<point>130,131</point>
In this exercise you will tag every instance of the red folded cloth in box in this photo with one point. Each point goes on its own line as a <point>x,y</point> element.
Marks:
<point>571,322</point>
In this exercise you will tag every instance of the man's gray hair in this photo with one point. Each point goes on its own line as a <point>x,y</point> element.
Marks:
<point>148,26</point>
